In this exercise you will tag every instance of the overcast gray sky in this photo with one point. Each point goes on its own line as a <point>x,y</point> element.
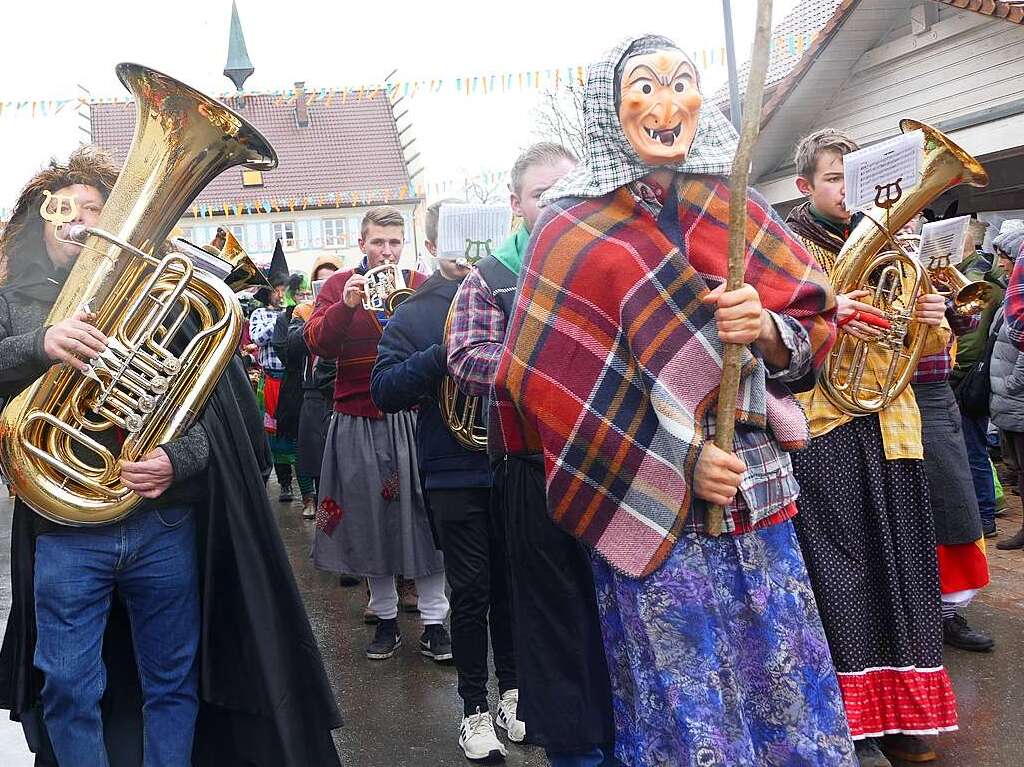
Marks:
<point>52,45</point>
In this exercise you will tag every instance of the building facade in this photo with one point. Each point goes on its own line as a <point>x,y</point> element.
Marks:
<point>338,157</point>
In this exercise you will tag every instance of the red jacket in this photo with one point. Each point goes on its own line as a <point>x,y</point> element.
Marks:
<point>350,336</point>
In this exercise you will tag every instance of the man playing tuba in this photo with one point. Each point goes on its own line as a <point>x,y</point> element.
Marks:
<point>175,584</point>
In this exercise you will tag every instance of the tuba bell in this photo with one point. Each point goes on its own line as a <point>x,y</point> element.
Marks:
<point>151,382</point>
<point>875,259</point>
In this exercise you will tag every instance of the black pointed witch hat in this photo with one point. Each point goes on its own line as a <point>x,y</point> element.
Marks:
<point>276,274</point>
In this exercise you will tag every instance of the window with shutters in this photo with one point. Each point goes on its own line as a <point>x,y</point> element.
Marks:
<point>285,232</point>
<point>335,233</point>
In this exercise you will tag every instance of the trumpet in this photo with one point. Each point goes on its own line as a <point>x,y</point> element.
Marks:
<point>968,298</point>
<point>385,288</point>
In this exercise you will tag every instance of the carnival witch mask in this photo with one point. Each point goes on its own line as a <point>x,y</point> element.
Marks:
<point>659,105</point>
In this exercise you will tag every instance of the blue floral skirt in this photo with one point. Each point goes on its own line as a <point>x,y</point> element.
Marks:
<point>719,658</point>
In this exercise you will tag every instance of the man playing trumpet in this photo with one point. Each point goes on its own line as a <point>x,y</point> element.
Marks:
<point>372,520</point>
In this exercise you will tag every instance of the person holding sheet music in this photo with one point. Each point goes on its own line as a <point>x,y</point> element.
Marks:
<point>963,566</point>
<point>864,524</point>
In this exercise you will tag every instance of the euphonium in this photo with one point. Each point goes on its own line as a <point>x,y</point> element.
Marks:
<point>874,260</point>
<point>464,415</point>
<point>151,382</point>
<point>385,288</point>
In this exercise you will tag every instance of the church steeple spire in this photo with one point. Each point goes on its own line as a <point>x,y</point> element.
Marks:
<point>238,67</point>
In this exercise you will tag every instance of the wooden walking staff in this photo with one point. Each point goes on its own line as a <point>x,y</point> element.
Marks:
<point>726,415</point>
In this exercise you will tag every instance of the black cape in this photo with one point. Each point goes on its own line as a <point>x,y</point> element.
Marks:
<point>265,700</point>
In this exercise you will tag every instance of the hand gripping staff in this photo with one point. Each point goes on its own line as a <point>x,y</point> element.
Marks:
<point>728,391</point>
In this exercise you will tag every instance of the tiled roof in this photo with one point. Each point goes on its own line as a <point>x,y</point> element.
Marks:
<point>1011,11</point>
<point>349,145</point>
<point>806,19</point>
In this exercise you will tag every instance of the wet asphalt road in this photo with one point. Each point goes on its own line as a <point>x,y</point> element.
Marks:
<point>404,712</point>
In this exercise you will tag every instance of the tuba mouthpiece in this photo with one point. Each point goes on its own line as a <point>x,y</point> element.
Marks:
<point>76,232</point>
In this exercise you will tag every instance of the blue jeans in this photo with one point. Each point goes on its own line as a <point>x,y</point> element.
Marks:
<point>592,758</point>
<point>976,440</point>
<point>150,559</point>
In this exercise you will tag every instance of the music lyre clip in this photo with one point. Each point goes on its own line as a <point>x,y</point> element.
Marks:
<point>58,209</point>
<point>893,192</point>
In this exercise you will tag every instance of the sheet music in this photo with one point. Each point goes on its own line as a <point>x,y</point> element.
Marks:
<point>897,160</point>
<point>942,242</point>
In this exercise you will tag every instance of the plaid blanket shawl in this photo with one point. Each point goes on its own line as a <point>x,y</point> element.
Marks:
<point>612,359</point>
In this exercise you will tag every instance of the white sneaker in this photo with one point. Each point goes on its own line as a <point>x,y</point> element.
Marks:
<point>506,716</point>
<point>477,738</point>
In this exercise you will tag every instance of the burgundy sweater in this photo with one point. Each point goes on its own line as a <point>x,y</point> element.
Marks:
<point>350,336</point>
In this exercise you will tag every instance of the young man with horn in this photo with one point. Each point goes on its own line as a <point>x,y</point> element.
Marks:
<point>372,520</point>
<point>609,379</point>
<point>410,369</point>
<point>864,525</point>
<point>564,698</point>
<point>197,571</point>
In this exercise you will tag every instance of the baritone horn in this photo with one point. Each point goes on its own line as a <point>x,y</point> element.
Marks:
<point>874,259</point>
<point>172,326</point>
<point>463,415</point>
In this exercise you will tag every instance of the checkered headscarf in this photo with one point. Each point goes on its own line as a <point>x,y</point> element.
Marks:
<point>611,161</point>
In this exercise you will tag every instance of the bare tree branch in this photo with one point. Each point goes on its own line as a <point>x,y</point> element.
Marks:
<point>481,193</point>
<point>559,116</point>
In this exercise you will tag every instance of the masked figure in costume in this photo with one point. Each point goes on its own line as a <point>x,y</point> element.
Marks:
<point>176,635</point>
<point>611,371</point>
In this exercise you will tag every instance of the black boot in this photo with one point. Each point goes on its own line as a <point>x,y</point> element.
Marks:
<point>1016,542</point>
<point>869,755</point>
<point>958,633</point>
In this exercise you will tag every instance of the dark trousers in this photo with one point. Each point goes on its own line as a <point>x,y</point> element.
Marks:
<point>564,693</point>
<point>976,440</point>
<point>1014,440</point>
<point>284,474</point>
<point>474,563</point>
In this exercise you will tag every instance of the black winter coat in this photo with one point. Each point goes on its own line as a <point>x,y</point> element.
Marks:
<point>411,363</point>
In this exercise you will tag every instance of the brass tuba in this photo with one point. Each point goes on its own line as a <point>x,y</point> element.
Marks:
<point>874,259</point>
<point>55,436</point>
